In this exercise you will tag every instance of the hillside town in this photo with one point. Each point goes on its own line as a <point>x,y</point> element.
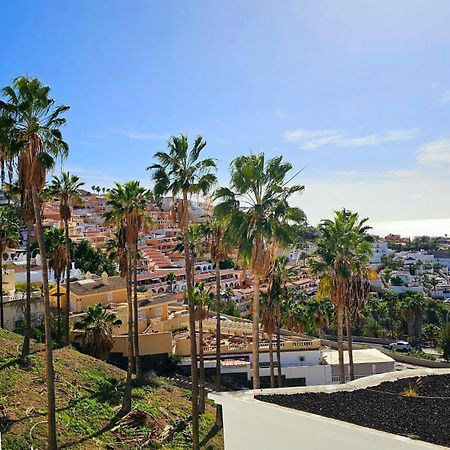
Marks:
<point>402,267</point>
<point>223,225</point>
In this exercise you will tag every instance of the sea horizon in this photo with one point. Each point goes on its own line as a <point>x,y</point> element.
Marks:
<point>412,228</point>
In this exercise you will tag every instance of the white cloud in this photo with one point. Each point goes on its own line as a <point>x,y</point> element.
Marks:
<point>381,197</point>
<point>140,136</point>
<point>311,139</point>
<point>435,152</point>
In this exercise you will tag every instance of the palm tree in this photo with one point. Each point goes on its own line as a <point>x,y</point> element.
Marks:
<point>97,324</point>
<point>181,172</point>
<point>128,204</point>
<point>37,123</point>
<point>9,146</point>
<point>256,204</point>
<point>170,280</point>
<point>9,235</point>
<point>358,292</point>
<point>56,250</point>
<point>202,297</point>
<point>214,231</point>
<point>269,320</point>
<point>66,189</point>
<point>280,275</point>
<point>334,261</point>
<point>412,309</point>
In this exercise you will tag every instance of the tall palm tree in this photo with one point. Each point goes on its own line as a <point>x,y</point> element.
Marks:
<point>202,297</point>
<point>334,260</point>
<point>37,123</point>
<point>128,205</point>
<point>280,275</point>
<point>9,236</point>
<point>214,231</point>
<point>358,292</point>
<point>257,206</point>
<point>269,319</point>
<point>66,189</point>
<point>56,250</point>
<point>182,173</point>
<point>97,325</point>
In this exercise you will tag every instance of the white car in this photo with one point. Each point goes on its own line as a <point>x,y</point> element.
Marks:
<point>223,318</point>
<point>400,346</point>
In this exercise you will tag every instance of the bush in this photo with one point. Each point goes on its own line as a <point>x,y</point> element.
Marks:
<point>444,342</point>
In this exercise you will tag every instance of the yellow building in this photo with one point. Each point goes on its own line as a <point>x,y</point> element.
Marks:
<point>92,290</point>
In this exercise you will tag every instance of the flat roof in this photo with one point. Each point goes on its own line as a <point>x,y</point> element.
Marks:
<point>369,355</point>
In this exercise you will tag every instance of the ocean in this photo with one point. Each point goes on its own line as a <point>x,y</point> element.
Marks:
<point>423,227</point>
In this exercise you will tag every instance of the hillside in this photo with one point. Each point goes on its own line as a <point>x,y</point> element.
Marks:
<point>88,395</point>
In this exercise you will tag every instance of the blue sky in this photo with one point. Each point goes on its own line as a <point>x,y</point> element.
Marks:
<point>357,93</point>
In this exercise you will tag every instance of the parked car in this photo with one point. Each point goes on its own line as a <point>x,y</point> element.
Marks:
<point>400,346</point>
<point>223,318</point>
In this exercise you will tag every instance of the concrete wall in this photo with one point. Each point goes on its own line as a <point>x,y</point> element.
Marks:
<point>252,424</point>
<point>149,344</point>
<point>14,310</point>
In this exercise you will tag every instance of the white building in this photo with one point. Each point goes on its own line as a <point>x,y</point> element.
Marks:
<point>379,249</point>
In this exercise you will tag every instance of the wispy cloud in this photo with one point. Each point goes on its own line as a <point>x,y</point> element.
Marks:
<point>89,175</point>
<point>312,139</point>
<point>435,152</point>
<point>280,114</point>
<point>445,97</point>
<point>140,136</point>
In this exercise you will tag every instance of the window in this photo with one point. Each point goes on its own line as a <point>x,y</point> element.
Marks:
<point>301,358</point>
<point>110,296</point>
<point>158,312</point>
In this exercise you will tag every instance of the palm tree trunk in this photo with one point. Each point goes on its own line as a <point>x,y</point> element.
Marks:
<point>340,337</point>
<point>126,402</point>
<point>27,330</point>
<point>66,338</point>
<point>348,330</point>
<point>194,373</point>
<point>50,373</point>
<point>219,417</point>
<point>272,373</point>
<point>280,378</point>
<point>2,313</point>
<point>255,313</point>
<point>202,394</point>
<point>58,306</point>
<point>137,358</point>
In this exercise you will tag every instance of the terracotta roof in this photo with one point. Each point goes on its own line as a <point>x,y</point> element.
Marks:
<point>95,285</point>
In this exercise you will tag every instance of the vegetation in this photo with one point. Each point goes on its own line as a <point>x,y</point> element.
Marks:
<point>55,244</point>
<point>260,220</point>
<point>96,331</point>
<point>88,395</point>
<point>9,236</point>
<point>444,341</point>
<point>36,128</point>
<point>66,190</point>
<point>342,251</point>
<point>181,173</point>
<point>89,259</point>
<point>128,214</point>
